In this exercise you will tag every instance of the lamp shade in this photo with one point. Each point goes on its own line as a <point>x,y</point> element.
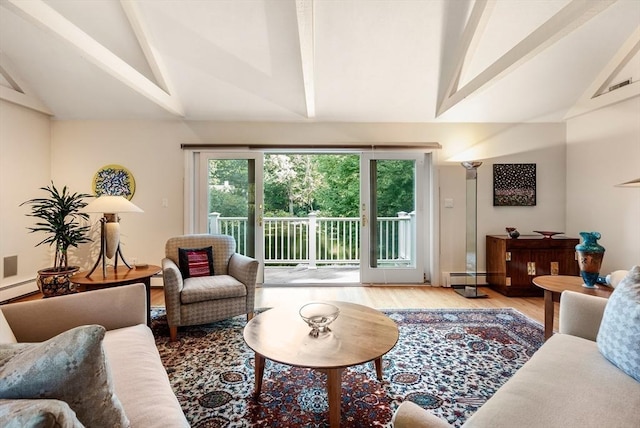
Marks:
<point>632,183</point>
<point>112,205</point>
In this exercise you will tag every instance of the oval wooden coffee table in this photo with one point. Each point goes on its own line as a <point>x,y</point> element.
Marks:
<point>360,334</point>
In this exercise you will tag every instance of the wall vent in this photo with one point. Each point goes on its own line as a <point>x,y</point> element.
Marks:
<point>10,266</point>
<point>620,85</point>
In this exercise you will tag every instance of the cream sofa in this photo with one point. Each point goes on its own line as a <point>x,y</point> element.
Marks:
<point>138,376</point>
<point>566,383</point>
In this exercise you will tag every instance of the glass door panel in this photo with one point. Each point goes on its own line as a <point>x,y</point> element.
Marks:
<point>231,195</point>
<point>391,218</point>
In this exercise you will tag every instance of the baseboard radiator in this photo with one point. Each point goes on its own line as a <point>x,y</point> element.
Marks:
<point>18,289</point>
<point>452,279</point>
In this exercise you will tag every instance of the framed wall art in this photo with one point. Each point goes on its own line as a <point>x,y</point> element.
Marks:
<point>114,180</point>
<point>514,184</point>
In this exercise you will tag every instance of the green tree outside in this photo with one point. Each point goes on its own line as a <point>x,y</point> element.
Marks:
<point>296,184</point>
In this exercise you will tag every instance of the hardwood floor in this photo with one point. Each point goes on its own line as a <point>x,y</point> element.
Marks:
<point>386,297</point>
<point>390,297</point>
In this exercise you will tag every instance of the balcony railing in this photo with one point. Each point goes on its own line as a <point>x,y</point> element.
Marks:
<point>317,240</point>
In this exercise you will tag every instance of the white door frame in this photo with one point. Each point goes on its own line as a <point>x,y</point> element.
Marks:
<point>379,275</point>
<point>197,199</point>
<point>427,206</point>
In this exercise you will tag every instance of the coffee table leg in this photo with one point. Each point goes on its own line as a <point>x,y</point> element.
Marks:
<point>259,369</point>
<point>378,363</point>
<point>548,314</point>
<point>334,391</point>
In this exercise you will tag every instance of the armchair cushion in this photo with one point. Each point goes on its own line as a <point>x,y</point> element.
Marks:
<point>70,367</point>
<point>194,262</point>
<point>204,288</point>
<point>204,299</point>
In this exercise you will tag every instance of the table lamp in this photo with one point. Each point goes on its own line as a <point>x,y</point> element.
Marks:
<point>110,206</point>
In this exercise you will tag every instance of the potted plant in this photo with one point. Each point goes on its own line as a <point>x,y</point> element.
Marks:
<point>59,218</point>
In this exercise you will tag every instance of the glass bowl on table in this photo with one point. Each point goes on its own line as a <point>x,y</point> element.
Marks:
<point>318,316</point>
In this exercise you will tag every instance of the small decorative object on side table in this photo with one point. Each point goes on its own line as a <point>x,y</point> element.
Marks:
<point>512,232</point>
<point>547,234</point>
<point>590,255</point>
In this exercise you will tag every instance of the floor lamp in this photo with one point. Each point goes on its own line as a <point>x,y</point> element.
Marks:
<point>470,289</point>
<point>110,206</point>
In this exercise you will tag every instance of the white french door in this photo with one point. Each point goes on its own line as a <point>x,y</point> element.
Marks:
<point>392,238</point>
<point>394,215</point>
<point>233,180</point>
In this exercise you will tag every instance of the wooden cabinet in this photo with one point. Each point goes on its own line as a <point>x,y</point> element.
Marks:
<point>513,263</point>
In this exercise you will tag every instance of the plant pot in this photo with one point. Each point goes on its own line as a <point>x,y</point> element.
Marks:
<point>56,281</point>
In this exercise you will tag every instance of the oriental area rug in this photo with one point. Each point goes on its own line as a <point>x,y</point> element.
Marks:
<point>449,361</point>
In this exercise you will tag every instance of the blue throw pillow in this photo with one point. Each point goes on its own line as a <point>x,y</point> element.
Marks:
<point>619,335</point>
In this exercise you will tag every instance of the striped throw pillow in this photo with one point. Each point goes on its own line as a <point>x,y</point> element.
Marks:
<point>195,261</point>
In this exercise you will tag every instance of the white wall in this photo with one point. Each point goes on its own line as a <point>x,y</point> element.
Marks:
<point>603,149</point>
<point>151,151</point>
<point>33,150</point>
<point>25,165</point>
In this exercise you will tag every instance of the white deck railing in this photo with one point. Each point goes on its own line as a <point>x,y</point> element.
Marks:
<point>323,240</point>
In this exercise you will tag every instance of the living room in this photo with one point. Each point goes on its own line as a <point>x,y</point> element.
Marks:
<point>542,110</point>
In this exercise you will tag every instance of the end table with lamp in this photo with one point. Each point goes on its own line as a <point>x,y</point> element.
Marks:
<point>118,277</point>
<point>110,206</point>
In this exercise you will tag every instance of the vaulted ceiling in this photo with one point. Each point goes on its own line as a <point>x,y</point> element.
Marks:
<point>319,60</point>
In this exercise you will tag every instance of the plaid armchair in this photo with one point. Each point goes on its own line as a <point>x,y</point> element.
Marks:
<point>230,291</point>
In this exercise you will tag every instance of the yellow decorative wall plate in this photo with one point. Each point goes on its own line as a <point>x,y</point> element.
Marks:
<point>114,180</point>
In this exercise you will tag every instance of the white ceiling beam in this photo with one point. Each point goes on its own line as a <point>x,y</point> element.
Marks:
<point>559,25</point>
<point>20,93</point>
<point>598,94</point>
<point>43,15</point>
<point>304,14</point>
<point>142,33</point>
<point>473,29</point>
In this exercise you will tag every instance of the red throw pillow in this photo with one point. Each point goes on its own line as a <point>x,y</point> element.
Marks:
<point>195,261</point>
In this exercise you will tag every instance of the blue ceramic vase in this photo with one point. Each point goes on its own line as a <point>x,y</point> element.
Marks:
<point>590,255</point>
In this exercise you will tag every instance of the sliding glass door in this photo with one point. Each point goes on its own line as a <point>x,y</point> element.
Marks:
<point>344,211</point>
<point>229,199</point>
<point>392,217</point>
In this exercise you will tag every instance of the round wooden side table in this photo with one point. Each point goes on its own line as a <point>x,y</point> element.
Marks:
<point>554,285</point>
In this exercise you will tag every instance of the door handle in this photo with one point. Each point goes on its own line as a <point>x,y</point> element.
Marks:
<point>364,216</point>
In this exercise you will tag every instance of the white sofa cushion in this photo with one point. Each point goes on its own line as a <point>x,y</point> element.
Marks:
<point>140,379</point>
<point>6,334</point>
<point>567,383</point>
<point>619,335</point>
